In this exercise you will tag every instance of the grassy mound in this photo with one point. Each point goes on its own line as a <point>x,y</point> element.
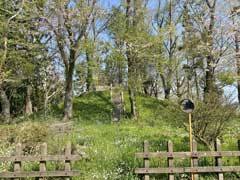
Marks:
<point>111,147</point>
<point>96,107</point>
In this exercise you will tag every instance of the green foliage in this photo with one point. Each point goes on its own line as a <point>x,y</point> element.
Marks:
<point>226,78</point>
<point>135,50</point>
<point>31,134</point>
<point>210,119</point>
<point>22,40</point>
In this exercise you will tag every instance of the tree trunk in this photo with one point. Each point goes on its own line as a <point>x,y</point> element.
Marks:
<point>130,65</point>
<point>89,80</point>
<point>178,90</point>
<point>209,79</point>
<point>120,73</point>
<point>68,100</point>
<point>132,99</point>
<point>196,84</point>
<point>145,90</point>
<point>237,49</point>
<point>131,85</point>
<point>167,92</point>
<point>5,106</point>
<point>209,76</point>
<point>45,104</point>
<point>28,105</point>
<point>166,87</point>
<point>156,90</point>
<point>131,88</point>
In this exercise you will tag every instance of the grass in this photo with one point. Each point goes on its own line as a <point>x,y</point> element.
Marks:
<point>93,107</point>
<point>111,147</point>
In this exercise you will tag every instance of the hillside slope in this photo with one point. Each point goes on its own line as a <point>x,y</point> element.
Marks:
<point>96,107</point>
<point>110,147</point>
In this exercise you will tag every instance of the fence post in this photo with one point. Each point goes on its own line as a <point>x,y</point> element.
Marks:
<point>218,160</point>
<point>68,162</point>
<point>170,159</point>
<point>146,159</point>
<point>17,162</point>
<point>195,159</point>
<point>43,167</point>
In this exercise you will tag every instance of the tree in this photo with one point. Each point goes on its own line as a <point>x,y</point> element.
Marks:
<point>133,46</point>
<point>69,21</point>
<point>210,119</point>
<point>21,47</point>
<point>209,81</point>
<point>235,14</point>
<point>207,42</point>
<point>92,43</point>
<point>139,43</point>
<point>167,18</point>
<point>7,18</point>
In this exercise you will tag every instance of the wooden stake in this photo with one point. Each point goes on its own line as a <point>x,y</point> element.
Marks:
<point>17,163</point>
<point>43,166</point>
<point>170,159</point>
<point>68,162</point>
<point>146,160</point>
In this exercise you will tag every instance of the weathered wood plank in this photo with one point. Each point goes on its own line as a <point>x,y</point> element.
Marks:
<point>67,162</point>
<point>165,154</point>
<point>43,164</point>
<point>195,159</point>
<point>146,160</point>
<point>187,170</point>
<point>218,159</point>
<point>18,158</point>
<point>170,159</point>
<point>43,158</point>
<point>17,164</point>
<point>39,174</point>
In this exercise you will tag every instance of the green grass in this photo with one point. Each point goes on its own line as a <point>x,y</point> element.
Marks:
<point>111,147</point>
<point>93,107</point>
<point>96,108</point>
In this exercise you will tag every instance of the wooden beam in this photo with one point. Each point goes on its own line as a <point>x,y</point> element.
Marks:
<point>43,158</point>
<point>39,174</point>
<point>187,170</point>
<point>165,154</point>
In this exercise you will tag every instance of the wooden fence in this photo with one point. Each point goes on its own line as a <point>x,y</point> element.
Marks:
<point>43,158</point>
<point>194,156</point>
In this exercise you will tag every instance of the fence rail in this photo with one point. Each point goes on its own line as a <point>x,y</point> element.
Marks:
<point>193,156</point>
<point>43,158</point>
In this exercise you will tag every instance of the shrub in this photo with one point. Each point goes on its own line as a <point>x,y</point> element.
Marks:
<point>30,134</point>
<point>210,119</point>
